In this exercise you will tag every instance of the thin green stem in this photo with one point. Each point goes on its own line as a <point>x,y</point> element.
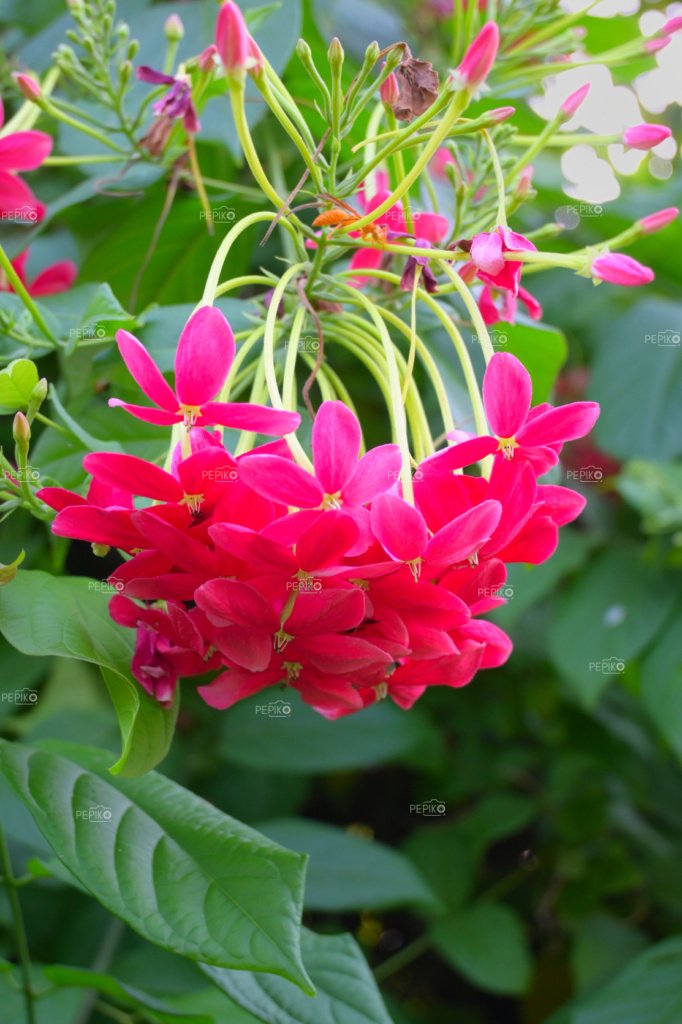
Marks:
<point>18,287</point>
<point>499,179</point>
<point>404,956</point>
<point>19,928</point>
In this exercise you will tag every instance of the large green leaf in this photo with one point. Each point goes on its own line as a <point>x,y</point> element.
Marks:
<point>173,867</point>
<point>637,377</point>
<point>486,944</point>
<point>649,991</point>
<point>614,609</point>
<point>68,617</point>
<point>347,872</point>
<point>346,991</point>
<point>304,741</point>
<point>661,684</point>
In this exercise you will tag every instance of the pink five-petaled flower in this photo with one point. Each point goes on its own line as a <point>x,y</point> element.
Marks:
<point>58,277</point>
<point>341,477</point>
<point>487,251</point>
<point>507,389</point>
<point>645,136</point>
<point>617,268</point>
<point>203,359</point>
<point>20,151</point>
<point>479,58</point>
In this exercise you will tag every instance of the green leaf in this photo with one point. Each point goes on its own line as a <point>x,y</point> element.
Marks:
<point>541,349</point>
<point>17,381</point>
<point>614,609</point>
<point>445,859</point>
<point>637,376</point>
<point>304,741</point>
<point>127,995</point>
<point>486,944</point>
<point>174,868</point>
<point>146,728</point>
<point>661,684</point>
<point>69,617</point>
<point>655,490</point>
<point>347,872</point>
<point>603,946</point>
<point>346,990</point>
<point>647,992</point>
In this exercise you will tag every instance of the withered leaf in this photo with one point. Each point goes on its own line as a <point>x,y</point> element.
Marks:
<point>418,84</point>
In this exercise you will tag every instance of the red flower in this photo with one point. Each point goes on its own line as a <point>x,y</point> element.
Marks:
<point>20,151</point>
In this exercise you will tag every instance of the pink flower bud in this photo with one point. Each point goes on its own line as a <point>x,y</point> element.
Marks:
<point>232,38</point>
<point>207,58</point>
<point>500,114</point>
<point>654,45</point>
<point>645,136</point>
<point>480,57</point>
<point>173,28</point>
<point>674,25</point>
<point>389,90</point>
<point>616,268</point>
<point>28,87</point>
<point>256,60</point>
<point>655,221</point>
<point>525,181</point>
<point>572,102</point>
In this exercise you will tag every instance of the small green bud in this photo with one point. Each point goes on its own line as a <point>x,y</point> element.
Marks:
<point>36,399</point>
<point>100,550</point>
<point>173,28</point>
<point>21,431</point>
<point>336,55</point>
<point>126,71</point>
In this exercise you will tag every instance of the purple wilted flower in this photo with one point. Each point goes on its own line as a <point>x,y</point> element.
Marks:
<point>176,103</point>
<point>427,275</point>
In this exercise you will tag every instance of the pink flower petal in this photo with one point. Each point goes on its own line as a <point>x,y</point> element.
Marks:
<point>231,602</point>
<point>486,252</point>
<point>134,475</point>
<point>565,423</point>
<point>146,413</point>
<point>56,278</point>
<point>464,535</point>
<point>248,648</point>
<point>24,151</point>
<point>204,356</point>
<point>507,390</point>
<point>246,416</point>
<point>281,480</point>
<point>325,611</point>
<point>399,527</point>
<point>326,542</point>
<point>377,471</point>
<point>336,445</point>
<point>145,372</point>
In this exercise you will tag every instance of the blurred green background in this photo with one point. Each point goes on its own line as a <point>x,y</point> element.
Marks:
<point>505,854</point>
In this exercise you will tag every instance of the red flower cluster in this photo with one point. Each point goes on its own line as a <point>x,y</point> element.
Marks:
<point>260,572</point>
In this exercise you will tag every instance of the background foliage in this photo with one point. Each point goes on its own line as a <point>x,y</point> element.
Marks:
<point>548,889</point>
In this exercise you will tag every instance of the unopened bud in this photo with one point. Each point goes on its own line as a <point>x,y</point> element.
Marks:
<point>575,100</point>
<point>479,58</point>
<point>126,71</point>
<point>499,114</point>
<point>28,87</point>
<point>371,54</point>
<point>36,399</point>
<point>100,550</point>
<point>207,58</point>
<point>654,45</point>
<point>525,180</point>
<point>232,39</point>
<point>21,431</point>
<point>335,55</point>
<point>173,28</point>
<point>645,136</point>
<point>656,221</point>
<point>389,90</point>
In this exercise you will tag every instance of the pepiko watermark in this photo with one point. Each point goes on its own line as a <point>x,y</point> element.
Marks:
<point>24,698</point>
<point>429,809</point>
<point>219,215</point>
<point>663,339</point>
<point>608,666</point>
<point>275,709</point>
<point>586,474</point>
<point>97,814</point>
